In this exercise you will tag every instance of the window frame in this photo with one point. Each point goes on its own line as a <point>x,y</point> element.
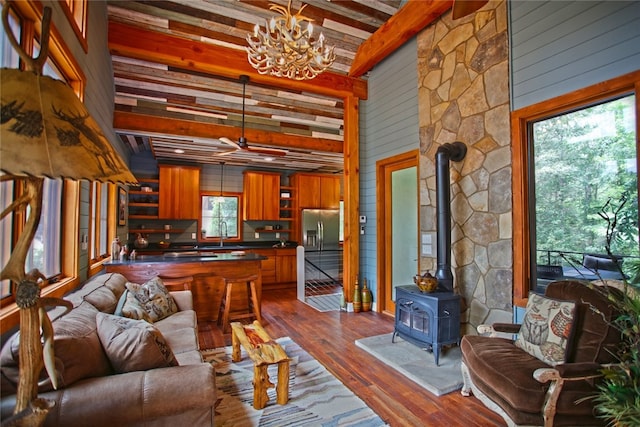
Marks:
<point>520,137</point>
<point>76,13</point>
<point>102,215</point>
<point>238,216</point>
<point>30,17</point>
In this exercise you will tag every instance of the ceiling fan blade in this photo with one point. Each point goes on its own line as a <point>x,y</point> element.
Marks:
<point>462,8</point>
<point>267,151</point>
<point>230,142</point>
<point>225,153</point>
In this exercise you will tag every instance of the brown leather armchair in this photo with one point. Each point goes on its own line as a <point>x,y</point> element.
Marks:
<point>527,391</point>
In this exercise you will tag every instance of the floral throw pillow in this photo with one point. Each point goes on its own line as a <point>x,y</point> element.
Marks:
<point>546,328</point>
<point>154,298</point>
<point>133,345</point>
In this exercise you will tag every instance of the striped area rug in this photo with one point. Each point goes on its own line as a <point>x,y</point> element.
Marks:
<point>316,398</point>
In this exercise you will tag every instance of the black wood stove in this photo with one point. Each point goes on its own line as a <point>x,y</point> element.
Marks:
<point>428,320</point>
<point>433,319</point>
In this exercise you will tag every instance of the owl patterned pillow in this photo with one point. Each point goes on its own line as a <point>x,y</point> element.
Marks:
<point>546,328</point>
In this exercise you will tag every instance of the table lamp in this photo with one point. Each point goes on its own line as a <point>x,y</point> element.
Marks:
<point>45,131</point>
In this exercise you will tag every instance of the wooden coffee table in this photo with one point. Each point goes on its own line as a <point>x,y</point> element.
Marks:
<point>263,351</point>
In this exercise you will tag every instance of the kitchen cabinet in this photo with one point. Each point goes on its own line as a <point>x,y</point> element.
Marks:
<point>268,265</point>
<point>261,191</point>
<point>279,269</point>
<point>179,196</point>
<point>286,271</point>
<point>317,191</point>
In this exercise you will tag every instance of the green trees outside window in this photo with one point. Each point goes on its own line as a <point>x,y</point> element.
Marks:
<point>578,162</point>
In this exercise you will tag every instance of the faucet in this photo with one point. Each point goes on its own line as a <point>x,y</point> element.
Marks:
<point>223,232</point>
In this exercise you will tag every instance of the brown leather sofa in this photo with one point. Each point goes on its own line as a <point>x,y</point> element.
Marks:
<point>527,391</point>
<point>92,394</point>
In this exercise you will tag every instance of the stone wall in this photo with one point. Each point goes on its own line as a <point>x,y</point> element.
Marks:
<point>464,96</point>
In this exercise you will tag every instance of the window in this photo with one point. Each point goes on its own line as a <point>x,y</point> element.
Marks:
<point>220,216</point>
<point>76,12</point>
<point>573,155</point>
<point>6,229</point>
<point>46,246</point>
<point>99,218</point>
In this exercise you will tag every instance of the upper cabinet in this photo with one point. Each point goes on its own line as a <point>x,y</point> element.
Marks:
<point>179,192</point>
<point>261,192</point>
<point>317,191</point>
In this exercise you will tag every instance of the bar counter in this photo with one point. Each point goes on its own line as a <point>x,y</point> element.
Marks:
<point>208,272</point>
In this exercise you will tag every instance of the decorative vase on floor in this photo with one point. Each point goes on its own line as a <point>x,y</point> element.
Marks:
<point>357,298</point>
<point>366,296</point>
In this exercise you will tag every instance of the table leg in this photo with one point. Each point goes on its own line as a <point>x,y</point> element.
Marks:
<point>261,384</point>
<point>235,344</point>
<point>282,389</point>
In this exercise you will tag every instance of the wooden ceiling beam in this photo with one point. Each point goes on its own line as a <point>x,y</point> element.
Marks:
<point>133,42</point>
<point>406,23</point>
<point>143,123</point>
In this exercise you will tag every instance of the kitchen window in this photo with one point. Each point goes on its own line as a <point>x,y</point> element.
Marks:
<point>220,217</point>
<point>572,155</point>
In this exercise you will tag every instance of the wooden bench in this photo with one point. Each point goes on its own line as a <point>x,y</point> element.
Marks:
<point>263,351</point>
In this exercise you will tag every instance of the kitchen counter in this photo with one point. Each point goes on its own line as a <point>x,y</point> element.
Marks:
<point>208,272</point>
<point>178,257</point>
<point>212,247</point>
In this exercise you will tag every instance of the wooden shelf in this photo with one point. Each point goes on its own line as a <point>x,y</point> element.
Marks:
<point>144,193</point>
<point>143,216</point>
<point>143,204</point>
<point>155,230</point>
<point>273,231</point>
<point>143,181</point>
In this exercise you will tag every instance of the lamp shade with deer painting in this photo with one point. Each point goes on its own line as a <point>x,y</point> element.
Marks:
<point>47,132</point>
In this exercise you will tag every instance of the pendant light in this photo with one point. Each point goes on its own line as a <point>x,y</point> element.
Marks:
<point>220,198</point>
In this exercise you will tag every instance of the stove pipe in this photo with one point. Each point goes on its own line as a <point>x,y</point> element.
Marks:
<point>446,152</point>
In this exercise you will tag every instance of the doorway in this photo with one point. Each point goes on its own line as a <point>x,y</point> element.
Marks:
<point>397,228</point>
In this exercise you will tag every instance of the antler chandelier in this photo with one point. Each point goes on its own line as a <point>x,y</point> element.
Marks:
<point>285,49</point>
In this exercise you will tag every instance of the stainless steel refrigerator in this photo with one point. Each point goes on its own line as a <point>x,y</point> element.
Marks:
<point>321,241</point>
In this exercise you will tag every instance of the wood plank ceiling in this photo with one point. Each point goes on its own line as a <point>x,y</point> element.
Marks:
<point>176,65</point>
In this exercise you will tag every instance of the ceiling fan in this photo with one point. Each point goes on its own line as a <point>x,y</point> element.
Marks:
<point>242,144</point>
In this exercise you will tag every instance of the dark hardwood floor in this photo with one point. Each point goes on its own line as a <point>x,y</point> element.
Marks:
<point>330,338</point>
